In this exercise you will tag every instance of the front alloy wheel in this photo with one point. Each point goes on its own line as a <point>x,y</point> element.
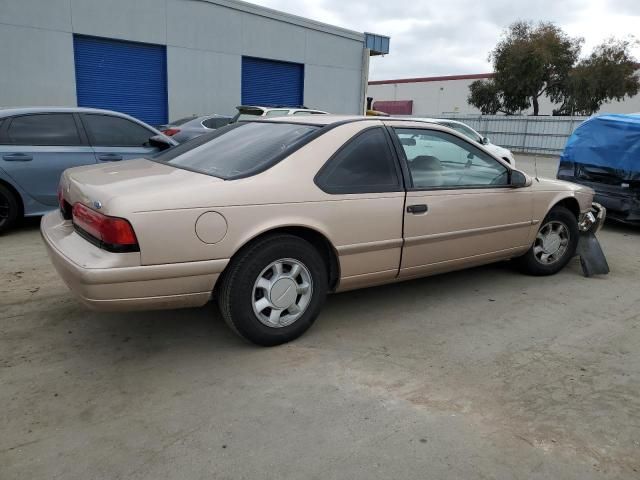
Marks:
<point>555,244</point>
<point>551,242</point>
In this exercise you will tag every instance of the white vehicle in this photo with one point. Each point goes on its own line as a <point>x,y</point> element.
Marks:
<point>250,112</point>
<point>469,132</point>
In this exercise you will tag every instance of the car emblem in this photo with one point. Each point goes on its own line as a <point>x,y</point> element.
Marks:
<point>97,204</point>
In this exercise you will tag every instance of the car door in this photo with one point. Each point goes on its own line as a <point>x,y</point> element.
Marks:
<point>365,199</point>
<point>460,207</point>
<point>115,138</point>
<point>36,148</point>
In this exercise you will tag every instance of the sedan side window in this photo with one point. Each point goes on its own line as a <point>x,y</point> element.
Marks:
<point>48,129</point>
<point>363,165</point>
<point>110,131</point>
<point>439,160</point>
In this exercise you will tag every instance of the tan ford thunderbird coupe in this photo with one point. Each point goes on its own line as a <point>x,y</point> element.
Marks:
<point>269,216</point>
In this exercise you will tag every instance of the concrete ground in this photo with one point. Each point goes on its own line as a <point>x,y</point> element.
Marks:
<point>472,375</point>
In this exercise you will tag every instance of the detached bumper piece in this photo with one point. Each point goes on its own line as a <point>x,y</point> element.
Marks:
<point>589,250</point>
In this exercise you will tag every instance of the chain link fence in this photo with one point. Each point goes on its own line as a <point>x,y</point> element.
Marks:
<point>523,134</point>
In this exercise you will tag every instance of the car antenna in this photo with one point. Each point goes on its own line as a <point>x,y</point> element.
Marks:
<point>535,166</point>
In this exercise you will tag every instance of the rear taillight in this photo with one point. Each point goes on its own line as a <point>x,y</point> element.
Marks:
<point>170,132</point>
<point>110,233</point>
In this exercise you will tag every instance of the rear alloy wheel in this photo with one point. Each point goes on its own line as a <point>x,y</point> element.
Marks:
<point>555,244</point>
<point>9,209</point>
<point>273,290</point>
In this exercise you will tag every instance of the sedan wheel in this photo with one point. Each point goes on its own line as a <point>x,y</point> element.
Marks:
<point>9,209</point>
<point>551,242</point>
<point>273,290</point>
<point>282,293</point>
<point>555,244</point>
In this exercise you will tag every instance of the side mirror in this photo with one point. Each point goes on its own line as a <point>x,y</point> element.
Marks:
<point>161,142</point>
<point>519,179</point>
<point>485,141</point>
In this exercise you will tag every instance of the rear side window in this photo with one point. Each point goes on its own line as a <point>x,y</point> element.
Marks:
<point>50,129</point>
<point>238,150</point>
<point>108,131</point>
<point>364,165</point>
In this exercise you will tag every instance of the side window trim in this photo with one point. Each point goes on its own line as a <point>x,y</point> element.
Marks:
<point>410,187</point>
<point>400,185</point>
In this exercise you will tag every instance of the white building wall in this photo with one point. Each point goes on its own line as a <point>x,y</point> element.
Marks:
<point>432,98</point>
<point>205,41</point>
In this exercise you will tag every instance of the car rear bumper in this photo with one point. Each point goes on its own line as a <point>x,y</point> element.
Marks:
<point>108,281</point>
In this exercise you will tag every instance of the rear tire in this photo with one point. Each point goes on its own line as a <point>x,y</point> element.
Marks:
<point>273,291</point>
<point>555,244</point>
<point>9,209</point>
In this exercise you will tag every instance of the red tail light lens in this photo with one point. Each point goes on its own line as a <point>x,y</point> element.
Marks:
<point>171,131</point>
<point>112,233</point>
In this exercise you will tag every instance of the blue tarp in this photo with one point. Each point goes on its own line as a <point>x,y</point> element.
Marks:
<point>611,141</point>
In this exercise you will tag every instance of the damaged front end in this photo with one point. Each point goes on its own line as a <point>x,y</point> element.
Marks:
<point>589,250</point>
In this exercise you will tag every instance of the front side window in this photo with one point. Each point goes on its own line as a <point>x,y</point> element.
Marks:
<point>237,150</point>
<point>439,160</point>
<point>51,129</point>
<point>364,165</point>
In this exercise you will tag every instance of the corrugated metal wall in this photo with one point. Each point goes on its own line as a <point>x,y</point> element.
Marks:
<point>525,134</point>
<point>128,77</point>
<point>269,82</point>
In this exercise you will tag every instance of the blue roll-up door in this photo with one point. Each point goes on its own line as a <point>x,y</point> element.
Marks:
<point>128,77</point>
<point>269,82</point>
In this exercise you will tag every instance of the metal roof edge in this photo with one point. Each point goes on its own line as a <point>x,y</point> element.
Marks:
<point>288,18</point>
<point>473,76</point>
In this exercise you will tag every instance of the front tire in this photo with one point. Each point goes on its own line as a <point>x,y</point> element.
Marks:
<point>9,209</point>
<point>555,244</point>
<point>273,291</point>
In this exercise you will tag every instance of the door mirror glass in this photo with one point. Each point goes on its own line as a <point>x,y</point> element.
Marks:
<point>160,142</point>
<point>518,179</point>
<point>485,141</point>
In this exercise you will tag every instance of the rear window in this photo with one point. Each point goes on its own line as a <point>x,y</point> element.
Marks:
<point>238,150</point>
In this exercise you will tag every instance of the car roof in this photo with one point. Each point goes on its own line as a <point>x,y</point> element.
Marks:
<point>6,112</point>
<point>331,119</point>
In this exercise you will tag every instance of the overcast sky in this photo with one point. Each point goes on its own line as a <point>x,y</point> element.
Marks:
<point>430,37</point>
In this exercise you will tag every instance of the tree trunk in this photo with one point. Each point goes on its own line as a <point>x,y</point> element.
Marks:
<point>536,107</point>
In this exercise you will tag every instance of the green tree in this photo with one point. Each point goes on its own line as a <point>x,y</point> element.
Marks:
<point>532,61</point>
<point>609,73</point>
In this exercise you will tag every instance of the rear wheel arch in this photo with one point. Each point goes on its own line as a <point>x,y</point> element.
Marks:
<point>318,240</point>
<point>16,194</point>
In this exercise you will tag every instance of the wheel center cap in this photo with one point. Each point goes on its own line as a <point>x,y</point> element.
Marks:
<point>551,244</point>
<point>283,293</point>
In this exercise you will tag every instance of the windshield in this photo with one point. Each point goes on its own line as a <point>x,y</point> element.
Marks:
<point>237,150</point>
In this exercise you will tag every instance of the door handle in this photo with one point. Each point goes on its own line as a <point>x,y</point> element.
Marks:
<point>110,157</point>
<point>417,209</point>
<point>17,157</point>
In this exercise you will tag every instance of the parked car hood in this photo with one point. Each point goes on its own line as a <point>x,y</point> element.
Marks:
<point>134,185</point>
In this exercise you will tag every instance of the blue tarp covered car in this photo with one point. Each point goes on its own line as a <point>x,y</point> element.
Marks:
<point>604,154</point>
